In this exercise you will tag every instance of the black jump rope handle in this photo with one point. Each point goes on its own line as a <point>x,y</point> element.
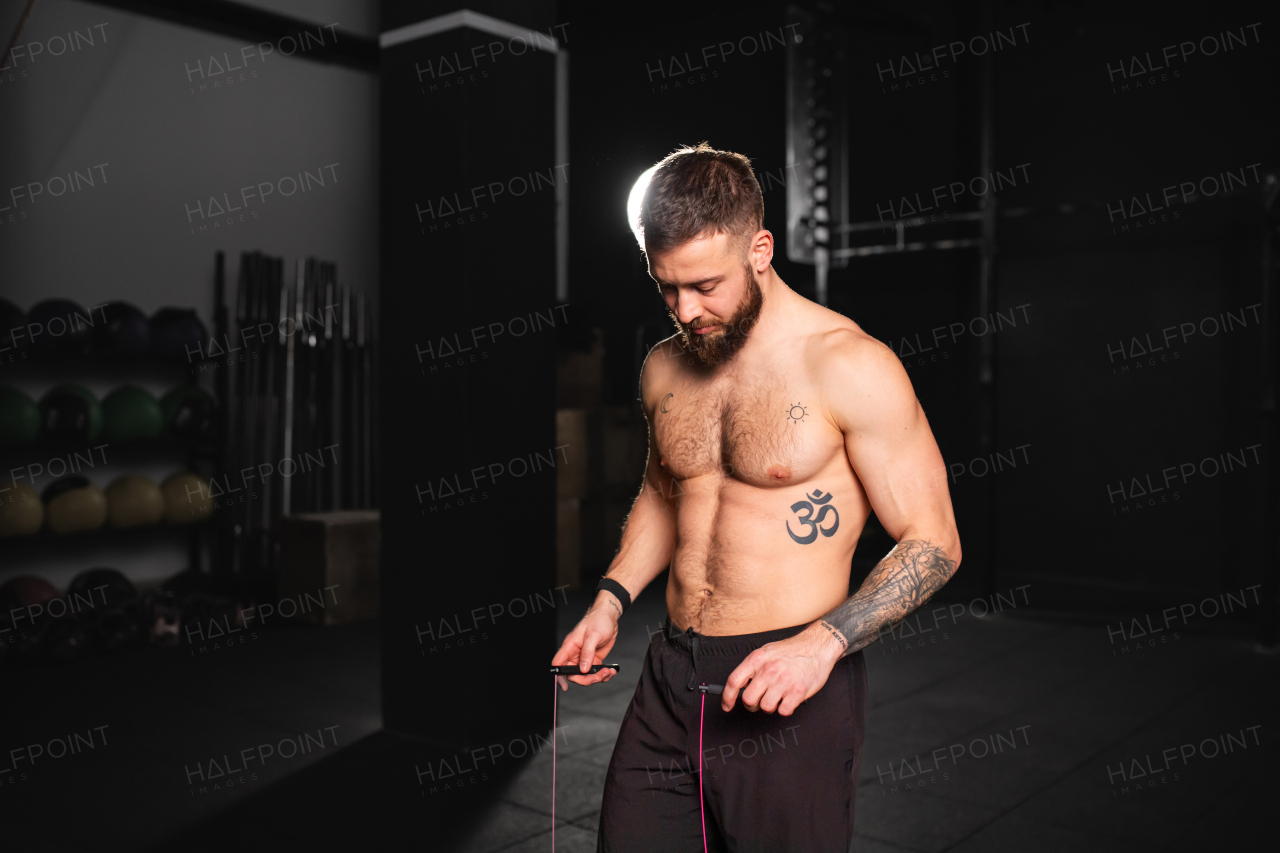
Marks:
<point>717,689</point>
<point>574,669</point>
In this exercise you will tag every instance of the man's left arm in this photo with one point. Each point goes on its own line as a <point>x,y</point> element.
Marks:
<point>892,450</point>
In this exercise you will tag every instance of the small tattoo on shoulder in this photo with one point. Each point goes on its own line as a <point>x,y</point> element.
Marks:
<point>663,407</point>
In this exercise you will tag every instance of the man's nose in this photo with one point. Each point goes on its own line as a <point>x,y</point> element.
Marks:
<point>688,309</point>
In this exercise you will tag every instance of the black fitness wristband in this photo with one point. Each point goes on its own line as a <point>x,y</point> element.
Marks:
<point>611,585</point>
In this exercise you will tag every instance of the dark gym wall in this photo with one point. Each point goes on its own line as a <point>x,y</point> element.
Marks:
<point>468,449</point>
<point>1100,413</point>
<point>1106,421</point>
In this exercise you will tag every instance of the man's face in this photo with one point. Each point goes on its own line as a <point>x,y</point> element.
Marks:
<point>711,293</point>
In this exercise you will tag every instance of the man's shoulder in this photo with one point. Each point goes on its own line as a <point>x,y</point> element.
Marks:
<point>839,349</point>
<point>862,380</point>
<point>664,356</point>
<point>663,360</point>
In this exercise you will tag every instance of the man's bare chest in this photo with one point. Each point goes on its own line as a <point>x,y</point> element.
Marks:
<point>764,433</point>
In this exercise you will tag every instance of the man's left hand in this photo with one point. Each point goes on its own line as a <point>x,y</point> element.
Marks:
<point>779,676</point>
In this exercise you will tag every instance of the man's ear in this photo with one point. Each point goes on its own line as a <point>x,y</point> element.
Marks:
<point>761,251</point>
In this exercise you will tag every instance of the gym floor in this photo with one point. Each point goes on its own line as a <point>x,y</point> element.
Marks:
<point>1054,688</point>
<point>1073,710</point>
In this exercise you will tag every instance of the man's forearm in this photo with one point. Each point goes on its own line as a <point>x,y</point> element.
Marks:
<point>905,579</point>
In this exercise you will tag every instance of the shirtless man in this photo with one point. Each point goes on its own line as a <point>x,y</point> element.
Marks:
<point>776,427</point>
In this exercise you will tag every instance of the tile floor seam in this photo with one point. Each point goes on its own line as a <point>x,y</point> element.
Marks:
<point>888,843</point>
<point>547,814</point>
<point>522,839</point>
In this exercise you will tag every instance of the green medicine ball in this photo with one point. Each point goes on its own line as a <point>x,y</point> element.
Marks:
<point>130,413</point>
<point>19,417</point>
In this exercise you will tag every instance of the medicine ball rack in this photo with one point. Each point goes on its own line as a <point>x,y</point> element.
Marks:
<point>48,371</point>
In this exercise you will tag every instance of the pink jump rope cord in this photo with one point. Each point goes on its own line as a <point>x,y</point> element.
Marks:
<point>701,807</point>
<point>555,702</point>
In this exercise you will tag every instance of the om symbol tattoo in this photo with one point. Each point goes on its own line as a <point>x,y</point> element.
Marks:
<point>814,522</point>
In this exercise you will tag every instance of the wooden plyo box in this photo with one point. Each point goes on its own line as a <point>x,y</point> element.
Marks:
<point>331,549</point>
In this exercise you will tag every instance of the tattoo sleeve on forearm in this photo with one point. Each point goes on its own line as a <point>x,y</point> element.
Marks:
<point>905,579</point>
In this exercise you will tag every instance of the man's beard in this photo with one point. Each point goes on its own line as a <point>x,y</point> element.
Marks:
<point>720,346</point>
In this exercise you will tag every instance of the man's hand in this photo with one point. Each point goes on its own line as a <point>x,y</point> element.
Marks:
<point>779,676</point>
<point>589,642</point>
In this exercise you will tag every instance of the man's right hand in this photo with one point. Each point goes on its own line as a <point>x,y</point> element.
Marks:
<point>589,642</point>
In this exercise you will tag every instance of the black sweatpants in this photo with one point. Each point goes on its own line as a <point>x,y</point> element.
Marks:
<point>770,783</point>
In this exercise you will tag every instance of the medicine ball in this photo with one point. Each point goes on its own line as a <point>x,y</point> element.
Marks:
<point>70,413</point>
<point>99,589</point>
<point>24,600</point>
<point>190,414</point>
<point>134,501</point>
<point>21,511</point>
<point>112,618</point>
<point>19,417</point>
<point>130,413</point>
<point>178,335</point>
<point>187,498</point>
<point>59,328</point>
<point>74,505</point>
<point>122,331</point>
<point>25,591</point>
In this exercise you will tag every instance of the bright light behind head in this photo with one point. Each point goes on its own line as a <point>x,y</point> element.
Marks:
<point>633,203</point>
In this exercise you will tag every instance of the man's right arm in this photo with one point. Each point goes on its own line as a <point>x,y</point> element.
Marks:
<point>648,538</point>
<point>649,535</point>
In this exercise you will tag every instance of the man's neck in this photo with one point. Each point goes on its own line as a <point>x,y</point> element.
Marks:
<point>776,311</point>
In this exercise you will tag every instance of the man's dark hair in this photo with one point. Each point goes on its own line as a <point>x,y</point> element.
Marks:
<point>700,190</point>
